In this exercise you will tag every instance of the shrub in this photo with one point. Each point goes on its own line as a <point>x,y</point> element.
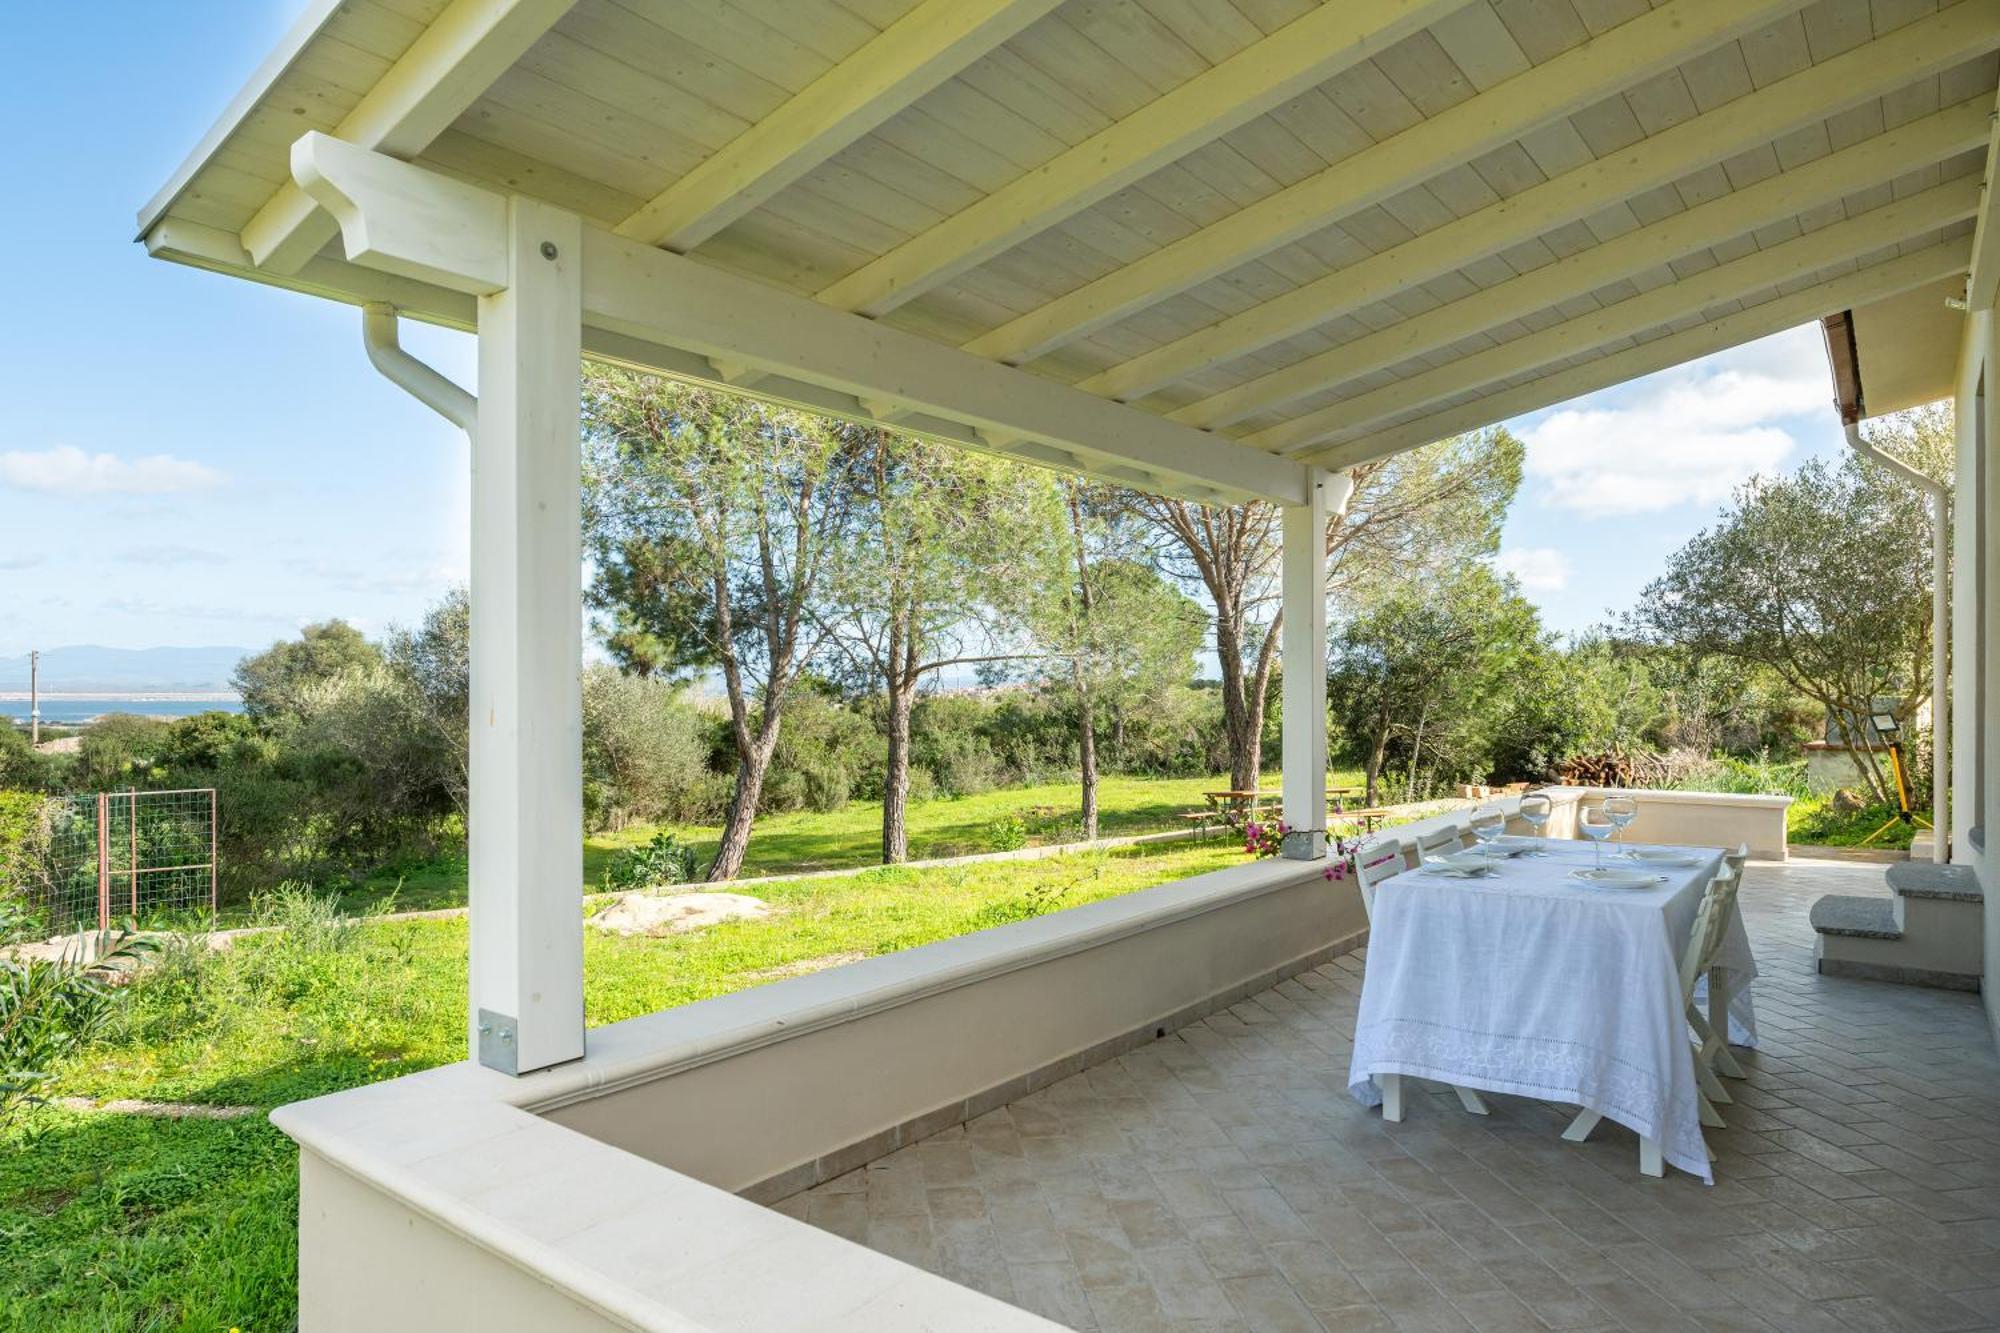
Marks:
<point>301,954</point>
<point>645,752</point>
<point>50,1008</point>
<point>664,860</point>
<point>1007,833</point>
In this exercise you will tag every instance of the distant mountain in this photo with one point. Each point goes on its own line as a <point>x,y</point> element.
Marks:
<point>87,669</point>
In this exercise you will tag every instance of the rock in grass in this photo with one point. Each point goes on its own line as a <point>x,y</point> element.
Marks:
<point>672,913</point>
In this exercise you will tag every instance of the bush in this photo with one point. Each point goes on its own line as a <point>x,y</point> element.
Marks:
<point>645,752</point>
<point>662,861</point>
<point>1749,777</point>
<point>825,753</point>
<point>49,1010</point>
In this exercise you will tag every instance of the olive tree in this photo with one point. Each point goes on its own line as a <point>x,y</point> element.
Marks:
<point>1823,577</point>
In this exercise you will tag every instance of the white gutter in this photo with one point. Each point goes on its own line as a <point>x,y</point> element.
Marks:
<point>1940,631</point>
<point>426,385</point>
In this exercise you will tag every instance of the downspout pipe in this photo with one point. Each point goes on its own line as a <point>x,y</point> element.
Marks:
<point>1940,633</point>
<point>426,385</point>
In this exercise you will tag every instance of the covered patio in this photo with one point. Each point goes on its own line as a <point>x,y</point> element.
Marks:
<point>1223,1177</point>
<point>1217,251</point>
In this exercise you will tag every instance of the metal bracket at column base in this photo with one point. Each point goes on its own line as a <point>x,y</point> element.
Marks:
<point>499,1044</point>
<point>1302,844</point>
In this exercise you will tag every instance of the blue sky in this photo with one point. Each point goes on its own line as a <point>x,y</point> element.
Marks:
<point>186,459</point>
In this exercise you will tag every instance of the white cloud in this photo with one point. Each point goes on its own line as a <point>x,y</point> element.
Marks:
<point>68,470</point>
<point>10,563</point>
<point>1538,568</point>
<point>171,554</point>
<point>1686,436</point>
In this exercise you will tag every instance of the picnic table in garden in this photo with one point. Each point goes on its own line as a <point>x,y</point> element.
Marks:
<point>1237,808</point>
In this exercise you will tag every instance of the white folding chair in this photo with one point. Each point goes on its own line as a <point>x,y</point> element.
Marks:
<point>1710,921</point>
<point>1712,1028</point>
<point>1373,864</point>
<point>1441,841</point>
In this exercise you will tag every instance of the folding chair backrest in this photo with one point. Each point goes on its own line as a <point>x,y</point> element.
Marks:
<point>1374,863</point>
<point>1702,940</point>
<point>1441,841</point>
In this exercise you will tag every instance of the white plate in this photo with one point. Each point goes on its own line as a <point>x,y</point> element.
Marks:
<point>1518,842</point>
<point>1660,856</point>
<point>1608,878</point>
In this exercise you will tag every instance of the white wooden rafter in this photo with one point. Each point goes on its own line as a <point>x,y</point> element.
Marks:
<point>410,222</point>
<point>1540,95</point>
<point>1916,50</point>
<point>926,47</point>
<point>1774,199</point>
<point>1873,283</point>
<point>449,66</point>
<point>1983,284</point>
<point>1757,271</point>
<point>1266,74</point>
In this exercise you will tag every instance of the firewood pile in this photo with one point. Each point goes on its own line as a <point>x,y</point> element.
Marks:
<point>1610,768</point>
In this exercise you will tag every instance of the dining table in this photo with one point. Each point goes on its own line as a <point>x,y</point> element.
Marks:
<point>1530,982</point>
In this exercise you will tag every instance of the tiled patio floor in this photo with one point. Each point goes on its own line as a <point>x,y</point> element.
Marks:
<point>1222,1178</point>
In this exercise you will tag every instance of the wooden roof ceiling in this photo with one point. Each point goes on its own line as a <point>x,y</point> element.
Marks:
<point>1324,231</point>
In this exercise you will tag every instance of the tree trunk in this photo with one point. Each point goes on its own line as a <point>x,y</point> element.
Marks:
<point>752,763</point>
<point>1243,756</point>
<point>1375,757</point>
<point>896,780</point>
<point>1086,748</point>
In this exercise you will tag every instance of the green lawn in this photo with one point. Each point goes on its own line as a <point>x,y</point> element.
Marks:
<point>115,1222</point>
<point>1811,821</point>
<point>852,836</point>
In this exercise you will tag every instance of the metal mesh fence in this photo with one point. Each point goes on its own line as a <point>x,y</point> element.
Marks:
<point>145,855</point>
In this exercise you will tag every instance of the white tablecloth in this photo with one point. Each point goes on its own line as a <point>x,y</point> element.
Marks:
<point>1531,983</point>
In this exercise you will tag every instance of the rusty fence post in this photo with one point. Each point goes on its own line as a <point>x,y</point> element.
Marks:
<point>103,863</point>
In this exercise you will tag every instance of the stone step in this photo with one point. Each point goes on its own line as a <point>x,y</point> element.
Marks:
<point>1922,936</point>
<point>1856,917</point>
<point>1926,879</point>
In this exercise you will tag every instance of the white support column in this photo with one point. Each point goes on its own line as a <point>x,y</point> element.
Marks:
<point>526,818</point>
<point>1303,643</point>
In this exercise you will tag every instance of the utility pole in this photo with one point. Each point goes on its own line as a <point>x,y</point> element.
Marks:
<point>34,697</point>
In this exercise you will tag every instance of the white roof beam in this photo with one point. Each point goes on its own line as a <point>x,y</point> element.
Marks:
<point>1774,199</point>
<point>415,223</point>
<point>1757,271</point>
<point>1266,74</point>
<point>926,47</point>
<point>1861,74</point>
<point>1616,59</point>
<point>1982,285</point>
<point>1874,283</point>
<point>445,71</point>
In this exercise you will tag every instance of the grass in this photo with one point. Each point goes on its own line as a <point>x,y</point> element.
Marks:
<point>1812,821</point>
<point>113,1221</point>
<point>852,836</point>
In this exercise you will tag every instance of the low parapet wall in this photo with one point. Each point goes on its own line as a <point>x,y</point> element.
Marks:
<point>608,1193</point>
<point>1673,818</point>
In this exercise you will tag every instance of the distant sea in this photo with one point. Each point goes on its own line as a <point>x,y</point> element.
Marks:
<point>74,708</point>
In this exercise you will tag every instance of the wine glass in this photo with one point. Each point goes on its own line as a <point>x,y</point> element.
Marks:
<point>1488,823</point>
<point>1622,810</point>
<point>1535,811</point>
<point>1594,822</point>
